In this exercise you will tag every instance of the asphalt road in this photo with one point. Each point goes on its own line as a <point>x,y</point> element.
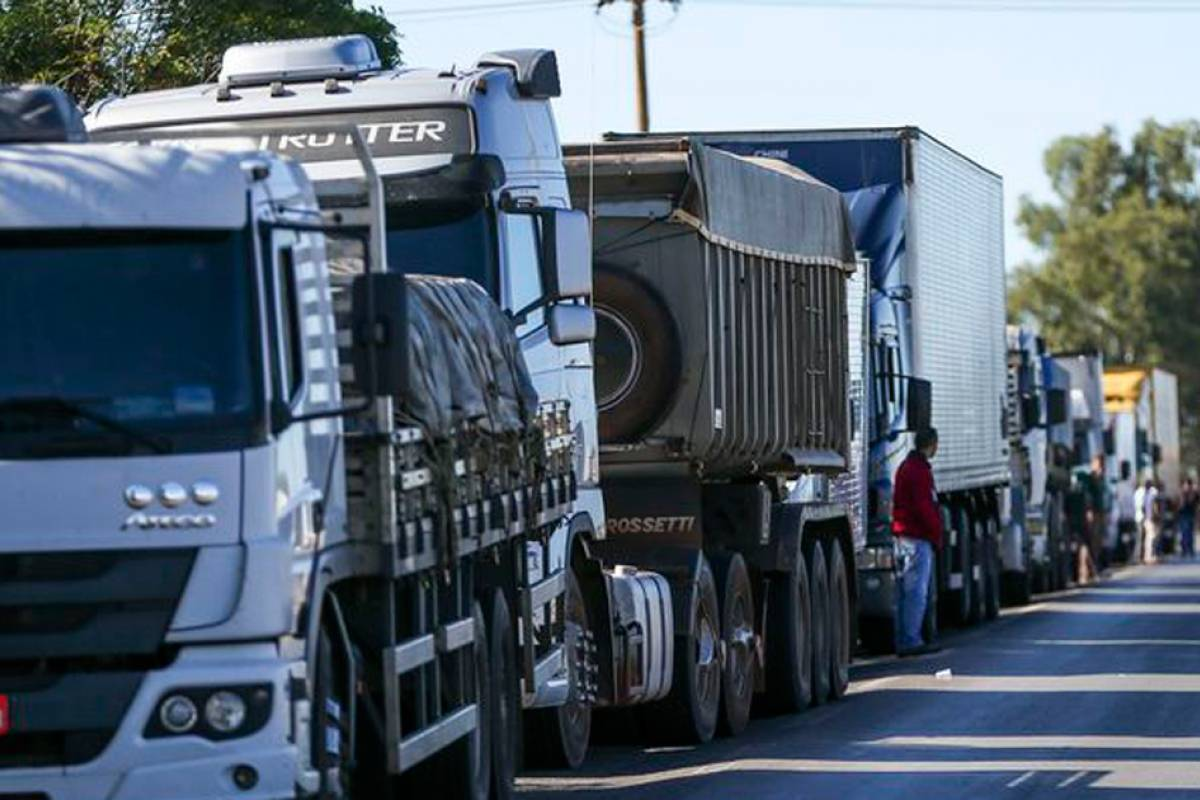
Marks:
<point>1094,692</point>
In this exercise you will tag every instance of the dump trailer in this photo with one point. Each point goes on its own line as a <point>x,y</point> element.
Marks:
<point>930,222</point>
<point>471,194</point>
<point>723,372</point>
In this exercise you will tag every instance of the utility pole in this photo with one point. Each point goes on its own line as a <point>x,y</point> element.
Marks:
<point>639,63</point>
<point>639,58</point>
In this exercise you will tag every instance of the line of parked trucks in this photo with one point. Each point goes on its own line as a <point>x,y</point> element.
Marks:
<point>355,433</point>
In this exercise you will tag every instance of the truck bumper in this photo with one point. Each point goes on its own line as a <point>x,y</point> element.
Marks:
<point>877,593</point>
<point>186,767</point>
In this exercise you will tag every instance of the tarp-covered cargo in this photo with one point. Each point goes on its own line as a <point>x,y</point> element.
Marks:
<point>721,306</point>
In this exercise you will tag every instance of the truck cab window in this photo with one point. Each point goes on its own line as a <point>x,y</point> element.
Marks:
<point>522,257</point>
<point>454,238</point>
<point>287,356</point>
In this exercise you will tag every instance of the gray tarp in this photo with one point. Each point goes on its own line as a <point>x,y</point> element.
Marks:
<point>39,114</point>
<point>465,364</point>
<point>768,204</point>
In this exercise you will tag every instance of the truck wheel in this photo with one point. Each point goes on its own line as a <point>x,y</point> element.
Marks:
<point>789,642</point>
<point>839,623</point>
<point>689,713</point>
<point>991,571</point>
<point>737,643</point>
<point>505,712</point>
<point>637,355</point>
<point>959,581</point>
<point>977,572</point>
<point>330,722</point>
<point>820,624</point>
<point>558,737</point>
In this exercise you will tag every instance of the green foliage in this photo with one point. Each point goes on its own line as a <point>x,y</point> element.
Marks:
<point>95,48</point>
<point>1121,272</point>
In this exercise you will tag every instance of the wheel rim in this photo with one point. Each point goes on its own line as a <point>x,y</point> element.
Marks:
<point>741,643</point>
<point>708,667</point>
<point>576,712</point>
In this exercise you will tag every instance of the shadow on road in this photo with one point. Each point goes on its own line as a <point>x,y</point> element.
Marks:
<point>1097,688</point>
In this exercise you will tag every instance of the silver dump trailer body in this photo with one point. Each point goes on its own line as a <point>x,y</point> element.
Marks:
<point>721,302</point>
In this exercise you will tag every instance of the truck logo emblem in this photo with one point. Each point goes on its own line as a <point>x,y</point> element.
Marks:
<point>653,524</point>
<point>138,496</point>
<point>146,522</point>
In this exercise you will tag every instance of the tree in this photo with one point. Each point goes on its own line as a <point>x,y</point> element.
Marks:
<point>95,48</point>
<point>1121,247</point>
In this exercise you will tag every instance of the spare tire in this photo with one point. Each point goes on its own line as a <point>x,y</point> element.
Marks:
<point>637,355</point>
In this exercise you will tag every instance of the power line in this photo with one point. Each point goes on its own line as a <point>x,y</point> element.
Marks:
<point>984,6</point>
<point>482,9</point>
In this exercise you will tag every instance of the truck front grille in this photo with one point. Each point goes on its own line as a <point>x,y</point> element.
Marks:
<point>78,631</point>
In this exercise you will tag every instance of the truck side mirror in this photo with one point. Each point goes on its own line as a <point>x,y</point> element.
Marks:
<point>919,407</point>
<point>1156,453</point>
<point>567,259</point>
<point>1110,442</point>
<point>1058,406</point>
<point>379,308</point>
<point>1031,412</point>
<point>571,324</point>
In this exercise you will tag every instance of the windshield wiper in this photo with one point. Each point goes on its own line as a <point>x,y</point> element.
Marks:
<point>54,405</point>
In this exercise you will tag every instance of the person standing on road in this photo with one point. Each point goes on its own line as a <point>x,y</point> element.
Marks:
<point>1189,498</point>
<point>917,526</point>
<point>1146,500</point>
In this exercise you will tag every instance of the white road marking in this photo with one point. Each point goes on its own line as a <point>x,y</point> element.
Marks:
<point>1068,781</point>
<point>1124,774</point>
<point>1020,779</point>
<point>1044,742</point>
<point>1117,642</point>
<point>1148,683</point>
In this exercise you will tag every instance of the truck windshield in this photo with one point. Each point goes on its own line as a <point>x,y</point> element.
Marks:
<point>122,342</point>
<point>452,238</point>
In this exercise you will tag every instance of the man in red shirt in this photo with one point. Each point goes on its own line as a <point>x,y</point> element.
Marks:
<point>917,526</point>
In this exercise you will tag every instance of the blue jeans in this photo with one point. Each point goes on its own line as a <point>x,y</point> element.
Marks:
<point>914,569</point>
<point>1187,533</point>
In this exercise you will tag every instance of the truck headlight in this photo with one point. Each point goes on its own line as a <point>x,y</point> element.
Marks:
<point>178,714</point>
<point>225,712</point>
<point>211,712</point>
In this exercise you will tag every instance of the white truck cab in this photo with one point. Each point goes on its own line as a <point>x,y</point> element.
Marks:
<point>158,526</point>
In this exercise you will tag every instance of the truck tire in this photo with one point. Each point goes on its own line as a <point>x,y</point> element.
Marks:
<point>959,581</point>
<point>737,643</point>
<point>557,738</point>
<point>330,723</point>
<point>839,623</point>
<point>789,640</point>
<point>820,623</point>
<point>1016,588</point>
<point>637,355</point>
<point>505,712</point>
<point>991,570</point>
<point>978,571</point>
<point>689,713</point>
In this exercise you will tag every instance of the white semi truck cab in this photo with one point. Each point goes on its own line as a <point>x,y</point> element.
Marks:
<point>159,526</point>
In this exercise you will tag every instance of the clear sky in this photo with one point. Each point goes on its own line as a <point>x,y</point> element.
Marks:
<point>997,85</point>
